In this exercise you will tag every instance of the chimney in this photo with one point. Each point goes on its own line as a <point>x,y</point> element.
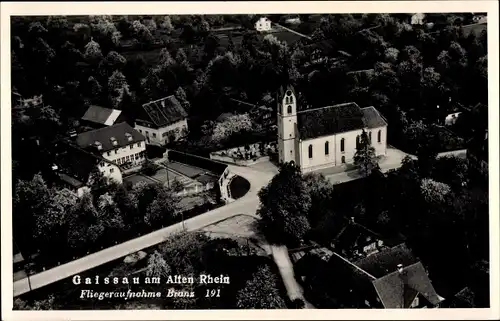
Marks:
<point>400,268</point>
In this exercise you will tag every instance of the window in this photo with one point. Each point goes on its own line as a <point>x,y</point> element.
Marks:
<point>291,100</point>
<point>379,136</point>
<point>343,159</point>
<point>147,133</point>
<point>287,100</point>
<point>131,146</point>
<point>123,159</point>
<point>164,134</point>
<point>109,153</point>
<point>140,131</point>
<point>327,148</point>
<point>139,144</point>
<point>342,145</point>
<point>137,156</point>
<point>357,142</point>
<point>116,151</point>
<point>154,135</point>
<point>310,151</point>
<point>289,109</point>
<point>111,170</point>
<point>370,137</point>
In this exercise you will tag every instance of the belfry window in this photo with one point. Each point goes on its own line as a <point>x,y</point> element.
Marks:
<point>289,109</point>
<point>342,145</point>
<point>327,148</point>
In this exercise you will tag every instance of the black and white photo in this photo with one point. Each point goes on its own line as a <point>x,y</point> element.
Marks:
<point>252,160</point>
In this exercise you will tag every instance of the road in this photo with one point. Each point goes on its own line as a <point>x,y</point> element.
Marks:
<point>248,204</point>
<point>245,205</point>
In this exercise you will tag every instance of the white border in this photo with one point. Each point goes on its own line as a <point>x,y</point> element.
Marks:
<point>131,8</point>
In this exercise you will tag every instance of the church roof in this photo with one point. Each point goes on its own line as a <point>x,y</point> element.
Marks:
<point>337,119</point>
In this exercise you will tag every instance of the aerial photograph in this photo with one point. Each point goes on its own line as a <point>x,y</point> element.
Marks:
<point>250,161</point>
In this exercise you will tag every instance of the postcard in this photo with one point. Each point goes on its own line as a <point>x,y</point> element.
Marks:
<point>250,160</point>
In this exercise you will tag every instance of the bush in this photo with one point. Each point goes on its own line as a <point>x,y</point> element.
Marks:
<point>149,168</point>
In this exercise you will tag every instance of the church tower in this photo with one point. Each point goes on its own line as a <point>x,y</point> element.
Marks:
<point>287,122</point>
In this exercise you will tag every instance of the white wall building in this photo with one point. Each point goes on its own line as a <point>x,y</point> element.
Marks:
<point>119,144</point>
<point>162,121</point>
<point>325,137</point>
<point>263,24</point>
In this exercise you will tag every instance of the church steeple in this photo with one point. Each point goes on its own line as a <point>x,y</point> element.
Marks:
<point>287,120</point>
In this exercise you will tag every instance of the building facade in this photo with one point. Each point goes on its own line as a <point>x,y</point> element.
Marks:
<point>119,144</point>
<point>263,24</point>
<point>328,136</point>
<point>162,121</point>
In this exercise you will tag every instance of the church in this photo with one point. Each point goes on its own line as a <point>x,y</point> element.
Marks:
<point>328,136</point>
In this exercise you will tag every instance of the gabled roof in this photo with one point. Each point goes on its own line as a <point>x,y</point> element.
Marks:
<point>101,115</point>
<point>398,289</point>
<point>163,112</point>
<point>75,164</point>
<point>337,119</point>
<point>385,262</point>
<point>123,134</point>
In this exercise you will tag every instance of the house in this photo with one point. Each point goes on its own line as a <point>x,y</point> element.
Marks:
<point>75,167</point>
<point>328,136</point>
<point>477,28</point>
<point>417,19</point>
<point>98,117</point>
<point>120,144</point>
<point>263,24</point>
<point>451,119</point>
<point>390,279</point>
<point>293,21</point>
<point>162,121</point>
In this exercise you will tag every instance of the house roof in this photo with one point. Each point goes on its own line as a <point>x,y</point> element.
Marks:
<point>377,275</point>
<point>75,164</point>
<point>123,134</point>
<point>163,112</point>
<point>398,289</point>
<point>101,115</point>
<point>476,28</point>
<point>337,119</point>
<point>385,262</point>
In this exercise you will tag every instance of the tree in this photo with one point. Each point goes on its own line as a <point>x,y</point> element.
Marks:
<point>434,192</point>
<point>321,191</point>
<point>157,266</point>
<point>141,32</point>
<point>162,209</point>
<point>93,51</point>
<point>261,292</point>
<point>117,88</point>
<point>231,125</point>
<point>46,304</point>
<point>365,157</point>
<point>284,206</point>
<point>177,186</point>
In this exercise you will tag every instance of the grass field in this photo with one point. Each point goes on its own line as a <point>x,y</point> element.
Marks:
<point>136,178</point>
<point>189,171</point>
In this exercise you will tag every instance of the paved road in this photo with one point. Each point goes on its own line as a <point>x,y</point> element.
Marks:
<point>245,205</point>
